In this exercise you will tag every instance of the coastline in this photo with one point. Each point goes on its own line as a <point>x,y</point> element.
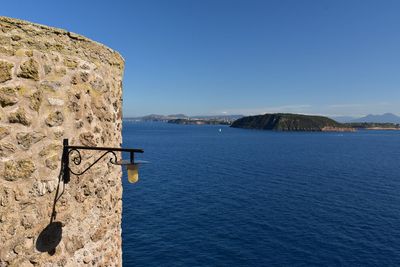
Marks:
<point>382,129</point>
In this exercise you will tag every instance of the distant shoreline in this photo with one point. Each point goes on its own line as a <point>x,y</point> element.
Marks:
<point>200,123</point>
<point>381,129</point>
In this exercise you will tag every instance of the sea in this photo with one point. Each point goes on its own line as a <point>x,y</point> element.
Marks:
<point>221,196</point>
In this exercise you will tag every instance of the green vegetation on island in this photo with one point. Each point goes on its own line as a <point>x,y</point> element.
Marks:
<point>290,122</point>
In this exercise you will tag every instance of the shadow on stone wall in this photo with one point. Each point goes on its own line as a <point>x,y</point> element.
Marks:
<point>51,235</point>
<point>49,238</point>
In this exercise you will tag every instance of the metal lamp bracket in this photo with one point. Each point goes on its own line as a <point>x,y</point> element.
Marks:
<point>77,159</point>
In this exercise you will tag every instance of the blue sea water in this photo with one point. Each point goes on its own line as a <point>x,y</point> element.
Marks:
<point>261,198</point>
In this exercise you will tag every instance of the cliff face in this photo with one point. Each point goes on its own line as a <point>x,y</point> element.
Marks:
<point>289,122</point>
<point>56,84</point>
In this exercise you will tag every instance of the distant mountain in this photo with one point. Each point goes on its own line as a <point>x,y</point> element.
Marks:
<point>225,119</point>
<point>290,122</point>
<point>178,116</point>
<point>200,122</point>
<point>342,119</point>
<point>157,117</point>
<point>218,117</point>
<point>384,118</point>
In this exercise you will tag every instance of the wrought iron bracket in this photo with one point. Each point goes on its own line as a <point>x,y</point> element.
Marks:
<point>77,160</point>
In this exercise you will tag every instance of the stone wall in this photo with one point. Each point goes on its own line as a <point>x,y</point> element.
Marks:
<point>55,84</point>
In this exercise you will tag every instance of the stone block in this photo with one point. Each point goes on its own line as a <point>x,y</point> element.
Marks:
<point>87,139</point>
<point>4,132</point>
<point>51,150</point>
<point>8,96</point>
<point>36,100</point>
<point>98,234</point>
<point>19,116</point>
<point>55,101</point>
<point>53,162</point>
<point>5,71</point>
<point>70,63</point>
<point>29,70</point>
<point>55,119</point>
<point>6,149</point>
<point>50,85</point>
<point>25,140</point>
<point>21,169</point>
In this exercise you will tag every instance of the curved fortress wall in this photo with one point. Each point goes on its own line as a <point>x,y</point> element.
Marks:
<point>56,84</point>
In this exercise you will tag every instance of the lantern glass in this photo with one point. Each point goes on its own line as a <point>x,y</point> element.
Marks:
<point>133,172</point>
<point>132,169</point>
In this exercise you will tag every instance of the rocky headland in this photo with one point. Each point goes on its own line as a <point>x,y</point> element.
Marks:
<point>291,122</point>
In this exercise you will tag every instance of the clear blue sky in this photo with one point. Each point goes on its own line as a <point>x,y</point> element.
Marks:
<point>197,57</point>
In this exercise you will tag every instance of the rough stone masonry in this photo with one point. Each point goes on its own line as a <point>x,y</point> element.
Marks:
<point>55,84</point>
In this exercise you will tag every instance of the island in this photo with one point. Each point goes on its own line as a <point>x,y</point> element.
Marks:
<point>291,122</point>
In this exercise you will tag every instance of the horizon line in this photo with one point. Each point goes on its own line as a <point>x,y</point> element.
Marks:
<point>245,115</point>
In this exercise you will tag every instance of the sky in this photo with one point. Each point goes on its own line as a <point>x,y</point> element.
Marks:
<point>214,57</point>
